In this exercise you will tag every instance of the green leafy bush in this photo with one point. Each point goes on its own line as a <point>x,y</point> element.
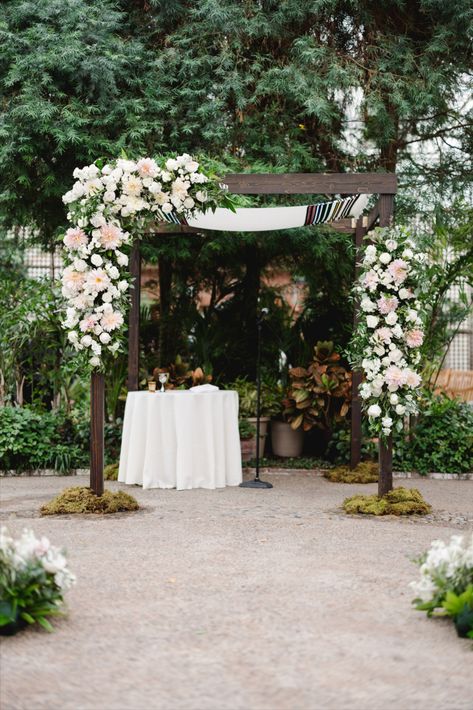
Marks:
<point>32,439</point>
<point>442,440</point>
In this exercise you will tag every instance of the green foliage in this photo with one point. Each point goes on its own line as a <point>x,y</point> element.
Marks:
<point>83,500</point>
<point>320,393</point>
<point>246,429</point>
<point>339,446</point>
<point>305,462</point>
<point>442,440</point>
<point>30,439</point>
<point>271,395</point>
<point>399,501</point>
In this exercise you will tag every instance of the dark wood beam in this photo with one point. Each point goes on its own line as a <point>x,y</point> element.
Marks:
<point>134,319</point>
<point>310,183</point>
<point>97,399</point>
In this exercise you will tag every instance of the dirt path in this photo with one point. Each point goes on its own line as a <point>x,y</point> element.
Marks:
<point>239,600</point>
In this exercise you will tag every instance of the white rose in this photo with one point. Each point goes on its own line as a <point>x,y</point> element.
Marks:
<point>411,315</point>
<point>72,336</point>
<point>404,293</point>
<point>107,297</point>
<point>191,166</point>
<point>400,409</point>
<point>113,272</point>
<point>122,258</point>
<point>201,195</point>
<point>95,361</point>
<point>385,257</point>
<point>96,348</point>
<point>108,196</point>
<point>123,285</point>
<point>387,422</point>
<point>96,260</point>
<point>395,355</point>
<point>391,318</point>
<point>370,254</point>
<point>372,321</point>
<point>80,265</point>
<point>86,340</point>
<point>374,411</point>
<point>391,245</point>
<point>394,399</point>
<point>189,203</point>
<point>171,164</point>
<point>98,329</point>
<point>407,254</point>
<point>167,208</point>
<point>105,338</point>
<point>367,305</point>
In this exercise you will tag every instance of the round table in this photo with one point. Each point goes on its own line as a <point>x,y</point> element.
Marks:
<point>181,439</point>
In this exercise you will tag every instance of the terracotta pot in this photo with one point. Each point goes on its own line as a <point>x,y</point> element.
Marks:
<point>263,432</point>
<point>248,448</point>
<point>286,442</point>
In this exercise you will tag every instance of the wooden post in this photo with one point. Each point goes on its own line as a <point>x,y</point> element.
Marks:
<point>134,320</point>
<point>97,397</point>
<point>385,484</point>
<point>357,375</point>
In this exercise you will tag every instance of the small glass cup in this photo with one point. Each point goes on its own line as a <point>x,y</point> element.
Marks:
<point>151,386</point>
<point>163,378</point>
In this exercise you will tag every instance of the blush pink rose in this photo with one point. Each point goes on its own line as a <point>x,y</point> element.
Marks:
<point>88,323</point>
<point>384,334</point>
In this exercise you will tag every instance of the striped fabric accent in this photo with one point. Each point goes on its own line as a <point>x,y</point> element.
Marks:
<point>329,211</point>
<point>171,218</point>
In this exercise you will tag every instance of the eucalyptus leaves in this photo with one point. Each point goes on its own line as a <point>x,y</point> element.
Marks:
<point>390,332</point>
<point>107,204</point>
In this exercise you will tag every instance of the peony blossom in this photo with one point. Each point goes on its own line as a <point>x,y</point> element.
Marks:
<point>370,280</point>
<point>387,304</point>
<point>75,238</point>
<point>110,236</point>
<point>414,338</point>
<point>394,377</point>
<point>412,379</point>
<point>147,167</point>
<point>398,270</point>
<point>111,320</point>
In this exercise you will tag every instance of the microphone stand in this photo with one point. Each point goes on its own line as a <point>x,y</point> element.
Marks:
<point>257,482</point>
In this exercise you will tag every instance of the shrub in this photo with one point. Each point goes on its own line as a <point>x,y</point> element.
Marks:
<point>442,439</point>
<point>32,439</point>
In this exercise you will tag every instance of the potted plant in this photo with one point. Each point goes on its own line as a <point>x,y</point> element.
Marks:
<point>270,401</point>
<point>317,395</point>
<point>247,439</point>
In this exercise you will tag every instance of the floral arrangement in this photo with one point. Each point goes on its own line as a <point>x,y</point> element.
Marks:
<point>109,204</point>
<point>387,341</point>
<point>33,578</point>
<point>446,582</point>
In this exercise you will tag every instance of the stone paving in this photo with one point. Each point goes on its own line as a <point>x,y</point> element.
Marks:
<point>240,600</point>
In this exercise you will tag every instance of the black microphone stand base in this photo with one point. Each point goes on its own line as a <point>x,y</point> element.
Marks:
<point>256,483</point>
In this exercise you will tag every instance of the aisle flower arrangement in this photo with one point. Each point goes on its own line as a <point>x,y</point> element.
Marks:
<point>445,587</point>
<point>387,341</point>
<point>33,578</point>
<point>108,206</point>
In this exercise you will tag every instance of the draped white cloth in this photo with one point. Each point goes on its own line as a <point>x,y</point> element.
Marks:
<point>262,219</point>
<point>181,439</point>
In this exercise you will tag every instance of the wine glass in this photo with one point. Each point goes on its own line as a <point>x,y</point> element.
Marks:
<point>163,378</point>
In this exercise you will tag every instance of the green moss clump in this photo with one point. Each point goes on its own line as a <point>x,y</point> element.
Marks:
<point>83,500</point>
<point>400,501</point>
<point>365,472</point>
<point>110,472</point>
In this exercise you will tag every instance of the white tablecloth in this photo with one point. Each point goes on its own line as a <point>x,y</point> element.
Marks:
<point>181,439</point>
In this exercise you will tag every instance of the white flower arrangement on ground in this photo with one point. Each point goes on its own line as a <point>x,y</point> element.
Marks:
<point>387,341</point>
<point>446,582</point>
<point>109,205</point>
<point>33,578</point>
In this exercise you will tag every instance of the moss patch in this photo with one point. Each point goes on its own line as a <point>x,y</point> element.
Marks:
<point>365,472</point>
<point>82,500</point>
<point>400,501</point>
<point>110,472</point>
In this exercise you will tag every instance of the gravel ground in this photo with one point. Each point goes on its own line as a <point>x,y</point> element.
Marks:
<point>240,600</point>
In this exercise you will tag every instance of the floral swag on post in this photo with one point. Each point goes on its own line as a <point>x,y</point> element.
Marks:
<point>109,205</point>
<point>390,331</point>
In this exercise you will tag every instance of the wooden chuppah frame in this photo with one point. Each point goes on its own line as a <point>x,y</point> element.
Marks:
<point>382,184</point>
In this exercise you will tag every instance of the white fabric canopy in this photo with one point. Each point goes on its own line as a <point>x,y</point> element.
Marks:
<point>263,219</point>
